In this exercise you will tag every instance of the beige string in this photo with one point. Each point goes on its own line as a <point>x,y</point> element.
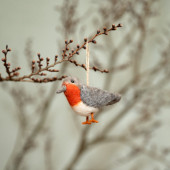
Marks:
<point>87,62</point>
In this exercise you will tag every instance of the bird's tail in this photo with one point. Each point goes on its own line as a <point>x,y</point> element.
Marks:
<point>116,98</point>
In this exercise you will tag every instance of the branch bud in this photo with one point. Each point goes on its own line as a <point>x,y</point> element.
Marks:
<point>94,41</point>
<point>98,31</point>
<point>85,39</point>
<point>4,51</point>
<point>3,59</point>
<point>114,27</point>
<point>119,25</point>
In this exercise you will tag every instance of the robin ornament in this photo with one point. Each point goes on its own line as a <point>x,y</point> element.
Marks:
<point>86,100</point>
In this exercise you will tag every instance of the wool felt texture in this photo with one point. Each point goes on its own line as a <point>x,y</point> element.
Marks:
<point>97,98</point>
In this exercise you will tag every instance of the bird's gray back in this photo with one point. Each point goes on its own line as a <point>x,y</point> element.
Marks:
<point>95,97</point>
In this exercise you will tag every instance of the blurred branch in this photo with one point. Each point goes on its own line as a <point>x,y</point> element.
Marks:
<point>30,139</point>
<point>137,149</point>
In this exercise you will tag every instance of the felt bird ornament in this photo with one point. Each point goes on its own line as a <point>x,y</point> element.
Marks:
<point>86,100</point>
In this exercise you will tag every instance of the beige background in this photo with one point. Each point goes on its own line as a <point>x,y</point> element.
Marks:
<point>21,20</point>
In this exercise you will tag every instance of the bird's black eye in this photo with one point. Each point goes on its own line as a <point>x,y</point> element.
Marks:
<point>72,80</point>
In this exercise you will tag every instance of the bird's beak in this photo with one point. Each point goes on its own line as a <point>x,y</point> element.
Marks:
<point>118,97</point>
<point>61,90</point>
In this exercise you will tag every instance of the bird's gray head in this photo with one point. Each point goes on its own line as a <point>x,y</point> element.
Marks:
<point>68,80</point>
<point>71,80</point>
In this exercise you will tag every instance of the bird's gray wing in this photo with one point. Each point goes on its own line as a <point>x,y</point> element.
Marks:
<point>97,98</point>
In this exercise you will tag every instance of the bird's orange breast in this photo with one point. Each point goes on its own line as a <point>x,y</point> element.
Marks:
<point>72,94</point>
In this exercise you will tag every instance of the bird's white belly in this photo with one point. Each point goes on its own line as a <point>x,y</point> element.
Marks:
<point>84,110</point>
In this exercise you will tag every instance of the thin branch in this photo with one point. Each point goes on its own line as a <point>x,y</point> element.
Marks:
<point>66,57</point>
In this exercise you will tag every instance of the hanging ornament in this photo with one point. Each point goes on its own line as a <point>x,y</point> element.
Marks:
<point>86,100</point>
